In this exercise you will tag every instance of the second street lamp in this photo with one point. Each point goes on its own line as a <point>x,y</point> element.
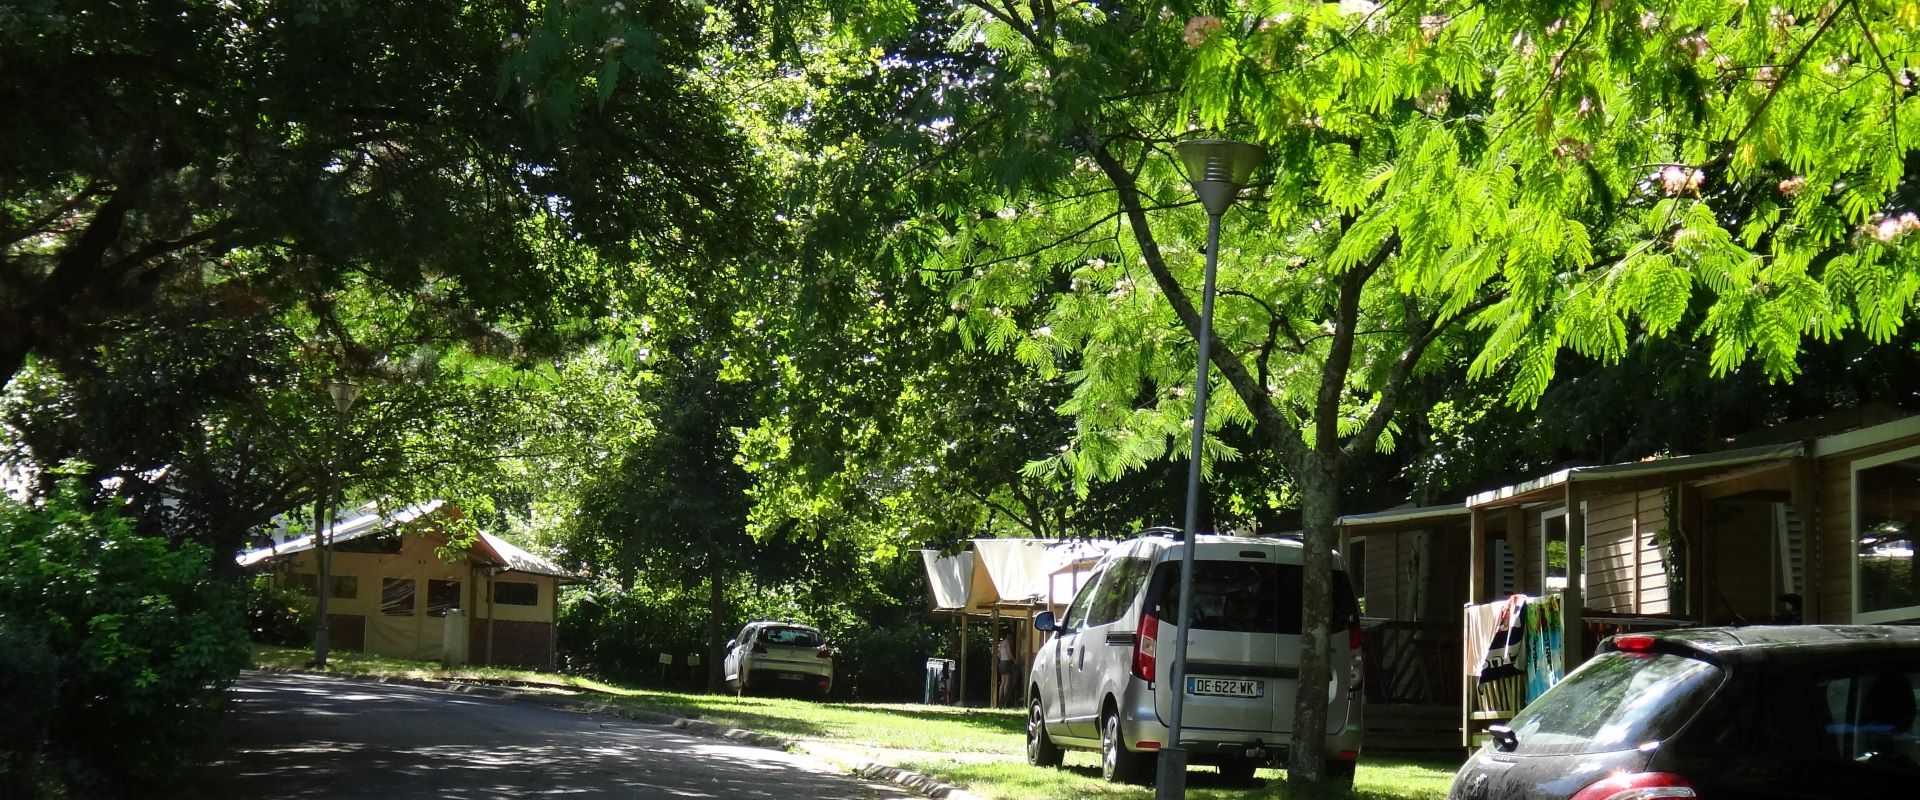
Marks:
<point>1218,170</point>
<point>343,391</point>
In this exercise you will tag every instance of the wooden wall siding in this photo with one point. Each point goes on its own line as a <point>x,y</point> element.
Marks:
<point>1831,601</point>
<point>1625,573</point>
<point>1384,569</point>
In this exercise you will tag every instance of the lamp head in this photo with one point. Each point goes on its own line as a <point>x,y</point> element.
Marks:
<point>344,391</point>
<point>1219,169</point>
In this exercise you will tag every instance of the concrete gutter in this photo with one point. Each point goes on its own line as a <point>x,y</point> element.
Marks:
<point>850,763</point>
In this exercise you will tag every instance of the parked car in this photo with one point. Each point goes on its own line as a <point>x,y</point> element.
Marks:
<point>1100,682</point>
<point>781,656</point>
<point>1760,712</point>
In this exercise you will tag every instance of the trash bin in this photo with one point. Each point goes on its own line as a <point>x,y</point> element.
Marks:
<point>939,681</point>
<point>453,639</point>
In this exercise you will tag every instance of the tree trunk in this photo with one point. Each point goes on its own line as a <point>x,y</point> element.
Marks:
<point>1319,503</point>
<point>716,635</point>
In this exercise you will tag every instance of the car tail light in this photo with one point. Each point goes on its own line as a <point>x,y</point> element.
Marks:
<point>759,649</point>
<point>1357,670</point>
<point>1636,786</point>
<point>823,652</point>
<point>1145,647</point>
<point>1633,643</point>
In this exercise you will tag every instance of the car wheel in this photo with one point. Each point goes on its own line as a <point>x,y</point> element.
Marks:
<point>1117,763</point>
<point>1238,770</point>
<point>1041,751</point>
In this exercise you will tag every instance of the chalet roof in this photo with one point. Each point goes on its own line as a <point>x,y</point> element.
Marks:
<point>1677,468</point>
<point>1405,513</point>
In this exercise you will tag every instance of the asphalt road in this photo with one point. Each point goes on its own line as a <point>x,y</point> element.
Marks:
<point>308,736</point>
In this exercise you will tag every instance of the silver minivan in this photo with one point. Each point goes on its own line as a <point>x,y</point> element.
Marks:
<point>1097,682</point>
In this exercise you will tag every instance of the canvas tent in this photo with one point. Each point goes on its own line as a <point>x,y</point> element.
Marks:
<point>1008,579</point>
<point>395,585</point>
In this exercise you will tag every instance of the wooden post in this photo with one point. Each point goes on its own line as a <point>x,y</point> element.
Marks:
<point>1573,599</point>
<point>963,658</point>
<point>1476,555</point>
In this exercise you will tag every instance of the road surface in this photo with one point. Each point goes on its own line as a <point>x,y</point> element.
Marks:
<point>299,736</point>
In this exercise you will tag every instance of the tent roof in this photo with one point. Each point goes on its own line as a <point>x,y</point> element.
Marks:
<point>1012,575</point>
<point>367,520</point>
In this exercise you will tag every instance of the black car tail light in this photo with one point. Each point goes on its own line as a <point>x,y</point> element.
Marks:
<point>1636,786</point>
<point>1633,643</point>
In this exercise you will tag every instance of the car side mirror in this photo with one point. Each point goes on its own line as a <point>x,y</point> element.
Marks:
<point>732,643</point>
<point>1043,622</point>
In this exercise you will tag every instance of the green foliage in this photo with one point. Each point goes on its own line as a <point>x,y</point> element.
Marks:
<point>618,635</point>
<point>27,668</point>
<point>276,614</point>
<point>146,641</point>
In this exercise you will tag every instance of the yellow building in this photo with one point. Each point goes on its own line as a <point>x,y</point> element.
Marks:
<point>395,581</point>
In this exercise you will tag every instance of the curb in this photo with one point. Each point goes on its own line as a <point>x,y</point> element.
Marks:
<point>852,764</point>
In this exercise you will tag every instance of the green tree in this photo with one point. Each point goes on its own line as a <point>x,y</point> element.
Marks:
<point>1451,181</point>
<point>174,150</point>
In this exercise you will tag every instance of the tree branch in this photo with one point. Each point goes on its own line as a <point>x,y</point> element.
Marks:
<point>1269,423</point>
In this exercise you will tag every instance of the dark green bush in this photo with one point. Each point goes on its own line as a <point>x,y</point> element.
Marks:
<point>27,668</point>
<point>276,614</point>
<point>619,635</point>
<point>143,637</point>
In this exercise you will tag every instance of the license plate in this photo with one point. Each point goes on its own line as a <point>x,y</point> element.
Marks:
<point>788,676</point>
<point>1226,687</point>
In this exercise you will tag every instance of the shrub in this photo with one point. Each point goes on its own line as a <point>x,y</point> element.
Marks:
<point>27,668</point>
<point>619,635</point>
<point>143,638</point>
<point>276,614</point>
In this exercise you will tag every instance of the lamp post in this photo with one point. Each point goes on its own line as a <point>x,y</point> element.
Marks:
<point>1218,170</point>
<point>343,391</point>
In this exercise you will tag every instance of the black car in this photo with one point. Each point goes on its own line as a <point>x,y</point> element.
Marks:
<point>1803,711</point>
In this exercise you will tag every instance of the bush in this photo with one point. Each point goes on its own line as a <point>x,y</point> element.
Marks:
<point>619,635</point>
<point>143,639</point>
<point>27,668</point>
<point>276,614</point>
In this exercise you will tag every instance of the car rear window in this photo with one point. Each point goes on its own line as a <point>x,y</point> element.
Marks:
<point>1246,596</point>
<point>1617,701</point>
<point>791,637</point>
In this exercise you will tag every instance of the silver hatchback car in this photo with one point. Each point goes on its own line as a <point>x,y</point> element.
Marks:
<point>1097,682</point>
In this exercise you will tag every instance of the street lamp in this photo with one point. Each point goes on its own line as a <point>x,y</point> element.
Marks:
<point>1218,170</point>
<point>343,391</point>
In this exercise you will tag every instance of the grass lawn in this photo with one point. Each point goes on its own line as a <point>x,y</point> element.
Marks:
<point>980,749</point>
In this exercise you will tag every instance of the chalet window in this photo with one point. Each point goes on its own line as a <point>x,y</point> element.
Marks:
<point>442,596</point>
<point>516,593</point>
<point>344,587</point>
<point>305,583</point>
<point>396,597</point>
<point>1886,524</point>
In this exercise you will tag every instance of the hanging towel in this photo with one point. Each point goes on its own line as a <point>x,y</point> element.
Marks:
<point>1507,650</point>
<point>1544,658</point>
